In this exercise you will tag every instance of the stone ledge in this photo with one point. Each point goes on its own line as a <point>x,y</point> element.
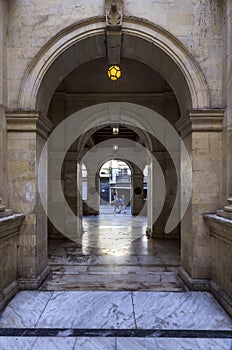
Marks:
<point>220,227</point>
<point>224,214</point>
<point>9,225</point>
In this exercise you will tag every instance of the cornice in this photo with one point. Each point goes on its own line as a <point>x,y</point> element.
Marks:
<point>201,120</point>
<point>28,121</point>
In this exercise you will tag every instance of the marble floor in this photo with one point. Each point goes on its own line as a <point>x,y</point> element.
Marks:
<point>53,318</point>
<point>115,254</point>
<point>116,290</point>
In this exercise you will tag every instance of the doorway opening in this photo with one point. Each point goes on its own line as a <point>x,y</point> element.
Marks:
<point>115,187</point>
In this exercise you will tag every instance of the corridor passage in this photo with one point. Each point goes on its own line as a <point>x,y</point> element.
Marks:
<point>115,254</point>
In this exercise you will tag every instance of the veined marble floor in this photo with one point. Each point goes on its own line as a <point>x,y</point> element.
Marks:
<point>93,298</point>
<point>104,312</point>
<point>115,255</point>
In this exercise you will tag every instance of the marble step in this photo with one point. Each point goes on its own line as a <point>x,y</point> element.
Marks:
<point>164,281</point>
<point>155,287</point>
<point>112,269</point>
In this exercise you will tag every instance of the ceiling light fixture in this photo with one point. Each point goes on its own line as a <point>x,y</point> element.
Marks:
<point>114,73</point>
<point>115,131</point>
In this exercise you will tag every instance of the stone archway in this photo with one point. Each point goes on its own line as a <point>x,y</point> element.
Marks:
<point>82,42</point>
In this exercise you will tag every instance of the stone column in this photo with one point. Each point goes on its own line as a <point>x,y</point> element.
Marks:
<point>137,200</point>
<point>92,205</point>
<point>161,198</point>
<point>201,132</point>
<point>70,180</point>
<point>227,127</point>
<point>3,157</point>
<point>27,134</point>
<point>72,176</point>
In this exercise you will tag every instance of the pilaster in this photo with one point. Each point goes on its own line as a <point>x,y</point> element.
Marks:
<point>27,134</point>
<point>201,132</point>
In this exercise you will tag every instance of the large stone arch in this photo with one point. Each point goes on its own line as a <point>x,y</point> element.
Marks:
<point>85,41</point>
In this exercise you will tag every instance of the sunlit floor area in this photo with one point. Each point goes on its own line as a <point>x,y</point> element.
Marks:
<point>115,254</point>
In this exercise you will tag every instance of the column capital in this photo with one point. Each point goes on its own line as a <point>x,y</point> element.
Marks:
<point>200,120</point>
<point>28,121</point>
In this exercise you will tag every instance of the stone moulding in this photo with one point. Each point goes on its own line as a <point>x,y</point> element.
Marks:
<point>21,284</point>
<point>159,37</point>
<point>28,121</point>
<point>201,120</point>
<point>33,283</point>
<point>8,293</point>
<point>207,285</point>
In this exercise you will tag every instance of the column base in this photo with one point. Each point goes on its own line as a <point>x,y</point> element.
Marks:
<point>8,293</point>
<point>208,286</point>
<point>194,284</point>
<point>35,282</point>
<point>21,284</point>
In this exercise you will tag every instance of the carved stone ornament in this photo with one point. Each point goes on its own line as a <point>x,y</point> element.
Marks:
<point>114,15</point>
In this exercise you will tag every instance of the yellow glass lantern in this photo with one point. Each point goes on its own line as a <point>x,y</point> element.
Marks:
<point>114,73</point>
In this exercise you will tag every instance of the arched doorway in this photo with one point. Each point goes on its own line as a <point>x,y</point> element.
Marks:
<point>115,182</point>
<point>164,54</point>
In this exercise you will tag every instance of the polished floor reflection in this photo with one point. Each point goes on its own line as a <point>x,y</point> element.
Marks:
<point>116,254</point>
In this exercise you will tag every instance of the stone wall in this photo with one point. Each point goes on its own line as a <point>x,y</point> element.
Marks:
<point>203,139</point>
<point>9,230</point>
<point>197,24</point>
<point>27,133</point>
<point>221,245</point>
<point>3,101</point>
<point>227,125</point>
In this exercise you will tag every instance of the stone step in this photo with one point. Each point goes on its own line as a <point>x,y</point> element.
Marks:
<point>111,269</point>
<point>158,281</point>
<point>228,208</point>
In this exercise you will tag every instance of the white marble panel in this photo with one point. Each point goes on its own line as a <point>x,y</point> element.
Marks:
<point>16,343</point>
<point>25,309</point>
<point>88,310</point>
<point>95,344</point>
<point>136,344</point>
<point>54,343</point>
<point>177,344</point>
<point>214,344</point>
<point>192,310</point>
